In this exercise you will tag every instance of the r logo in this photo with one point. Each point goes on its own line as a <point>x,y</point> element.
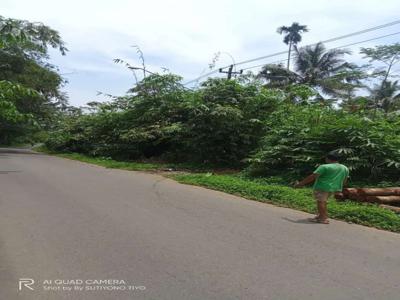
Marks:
<point>25,282</point>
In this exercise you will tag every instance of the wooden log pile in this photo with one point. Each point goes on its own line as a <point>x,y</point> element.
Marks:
<point>387,197</point>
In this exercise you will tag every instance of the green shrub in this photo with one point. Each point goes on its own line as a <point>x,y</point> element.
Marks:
<point>299,137</point>
<point>226,122</point>
<point>220,123</point>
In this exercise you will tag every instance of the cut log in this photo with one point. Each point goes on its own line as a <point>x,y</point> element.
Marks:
<point>383,199</point>
<point>340,196</point>
<point>349,191</point>
<point>353,194</point>
<point>374,195</point>
<point>392,191</point>
<point>393,208</point>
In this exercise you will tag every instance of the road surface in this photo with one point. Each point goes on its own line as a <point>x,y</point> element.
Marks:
<point>71,230</point>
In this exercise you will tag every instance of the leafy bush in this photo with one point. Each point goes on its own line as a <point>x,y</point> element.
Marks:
<point>299,138</point>
<point>226,121</point>
<point>220,123</point>
<point>143,123</point>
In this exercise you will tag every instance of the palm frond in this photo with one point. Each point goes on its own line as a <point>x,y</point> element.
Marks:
<point>278,75</point>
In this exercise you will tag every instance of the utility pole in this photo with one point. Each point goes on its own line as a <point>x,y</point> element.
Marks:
<point>230,71</point>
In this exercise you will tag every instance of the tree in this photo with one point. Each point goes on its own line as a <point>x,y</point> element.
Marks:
<point>319,68</point>
<point>23,54</point>
<point>13,121</point>
<point>292,36</point>
<point>386,96</point>
<point>23,65</point>
<point>32,36</point>
<point>388,55</point>
<point>226,121</point>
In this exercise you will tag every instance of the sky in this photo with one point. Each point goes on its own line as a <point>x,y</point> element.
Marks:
<point>184,35</point>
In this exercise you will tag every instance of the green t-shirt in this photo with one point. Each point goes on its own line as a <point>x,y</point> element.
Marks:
<point>331,177</point>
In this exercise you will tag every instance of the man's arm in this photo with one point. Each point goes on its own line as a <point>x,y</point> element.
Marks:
<point>309,179</point>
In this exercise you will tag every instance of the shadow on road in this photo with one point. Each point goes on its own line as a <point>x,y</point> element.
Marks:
<point>300,221</point>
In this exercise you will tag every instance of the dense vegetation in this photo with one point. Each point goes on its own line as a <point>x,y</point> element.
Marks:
<point>281,121</point>
<point>236,124</point>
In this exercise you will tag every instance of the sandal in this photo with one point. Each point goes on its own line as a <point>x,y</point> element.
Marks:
<point>318,220</point>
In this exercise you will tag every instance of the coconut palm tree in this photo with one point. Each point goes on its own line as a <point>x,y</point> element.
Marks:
<point>386,96</point>
<point>292,36</point>
<point>315,66</point>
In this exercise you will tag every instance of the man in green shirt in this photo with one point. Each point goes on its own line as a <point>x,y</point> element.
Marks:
<point>328,179</point>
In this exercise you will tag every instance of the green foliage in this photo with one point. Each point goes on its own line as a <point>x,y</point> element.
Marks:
<point>30,87</point>
<point>32,36</point>
<point>292,33</point>
<point>145,123</point>
<point>219,123</point>
<point>155,112</point>
<point>364,214</point>
<point>317,67</point>
<point>388,54</point>
<point>292,36</point>
<point>384,96</point>
<point>300,137</point>
<point>13,119</point>
<point>284,128</point>
<point>108,162</point>
<point>226,121</point>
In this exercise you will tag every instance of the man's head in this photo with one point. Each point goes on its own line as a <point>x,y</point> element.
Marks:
<point>332,157</point>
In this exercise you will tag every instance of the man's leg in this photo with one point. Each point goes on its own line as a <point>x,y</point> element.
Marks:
<point>317,216</point>
<point>321,198</point>
<point>322,210</point>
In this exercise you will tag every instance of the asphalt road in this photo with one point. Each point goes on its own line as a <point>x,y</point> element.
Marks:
<point>66,224</point>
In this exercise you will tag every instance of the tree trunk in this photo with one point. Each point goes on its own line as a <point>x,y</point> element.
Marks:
<point>290,50</point>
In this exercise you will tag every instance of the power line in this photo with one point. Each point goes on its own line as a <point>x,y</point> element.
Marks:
<point>343,46</point>
<point>363,31</point>
<point>261,65</point>
<point>285,52</point>
<point>375,38</point>
<point>328,41</point>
